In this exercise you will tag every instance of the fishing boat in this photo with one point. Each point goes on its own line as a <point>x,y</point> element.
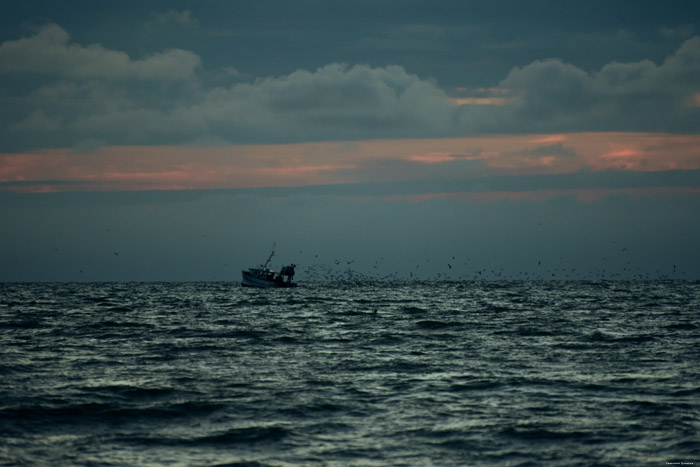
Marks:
<point>263,276</point>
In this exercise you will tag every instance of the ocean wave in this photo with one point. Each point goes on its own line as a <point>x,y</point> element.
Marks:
<point>442,374</point>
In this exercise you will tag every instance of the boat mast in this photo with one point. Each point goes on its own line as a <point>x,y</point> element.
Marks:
<point>270,257</point>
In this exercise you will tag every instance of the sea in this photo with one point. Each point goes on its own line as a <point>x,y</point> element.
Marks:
<point>492,373</point>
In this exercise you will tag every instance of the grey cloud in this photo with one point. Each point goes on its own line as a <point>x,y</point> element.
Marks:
<point>70,98</point>
<point>335,101</point>
<point>104,94</point>
<point>641,96</point>
<point>133,126</point>
<point>38,121</point>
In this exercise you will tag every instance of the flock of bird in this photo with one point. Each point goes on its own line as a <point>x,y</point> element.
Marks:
<point>453,269</point>
<point>456,270</point>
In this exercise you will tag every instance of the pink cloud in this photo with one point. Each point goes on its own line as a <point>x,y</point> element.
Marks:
<point>247,166</point>
<point>621,153</point>
<point>483,100</point>
<point>583,195</point>
<point>169,167</point>
<point>637,151</point>
<point>13,167</point>
<point>548,139</point>
<point>432,158</point>
<point>483,97</point>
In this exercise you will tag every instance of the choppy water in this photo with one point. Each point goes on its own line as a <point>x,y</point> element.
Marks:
<point>492,373</point>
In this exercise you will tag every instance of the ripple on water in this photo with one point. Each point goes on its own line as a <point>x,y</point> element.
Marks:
<point>364,374</point>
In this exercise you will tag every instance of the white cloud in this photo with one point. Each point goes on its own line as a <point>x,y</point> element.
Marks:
<point>51,52</point>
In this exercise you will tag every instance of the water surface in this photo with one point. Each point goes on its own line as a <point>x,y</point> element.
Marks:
<point>475,373</point>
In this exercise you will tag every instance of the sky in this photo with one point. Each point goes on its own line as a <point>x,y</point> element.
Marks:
<point>384,139</point>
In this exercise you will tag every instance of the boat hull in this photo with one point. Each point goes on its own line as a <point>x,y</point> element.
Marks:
<point>250,280</point>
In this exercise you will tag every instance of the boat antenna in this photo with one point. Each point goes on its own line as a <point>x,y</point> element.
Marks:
<point>270,257</point>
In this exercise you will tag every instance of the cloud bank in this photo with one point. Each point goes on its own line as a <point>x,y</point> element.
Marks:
<point>89,92</point>
<point>433,163</point>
